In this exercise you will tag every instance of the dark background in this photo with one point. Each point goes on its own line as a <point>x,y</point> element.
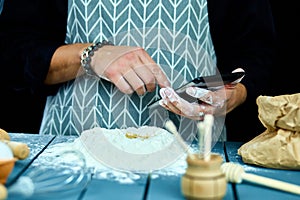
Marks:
<point>285,76</point>
<point>286,79</point>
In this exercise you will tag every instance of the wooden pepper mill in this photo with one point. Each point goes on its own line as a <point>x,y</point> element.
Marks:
<point>204,179</point>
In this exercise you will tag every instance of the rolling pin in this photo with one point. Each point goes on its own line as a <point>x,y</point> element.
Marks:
<point>20,150</point>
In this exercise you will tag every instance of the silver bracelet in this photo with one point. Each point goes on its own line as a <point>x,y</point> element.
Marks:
<point>87,54</point>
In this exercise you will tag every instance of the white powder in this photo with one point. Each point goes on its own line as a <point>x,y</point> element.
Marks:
<point>143,140</point>
<point>155,144</point>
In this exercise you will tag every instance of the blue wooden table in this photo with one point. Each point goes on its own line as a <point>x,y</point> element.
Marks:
<point>146,187</point>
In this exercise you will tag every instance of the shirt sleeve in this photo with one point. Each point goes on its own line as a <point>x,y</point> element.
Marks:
<point>30,33</point>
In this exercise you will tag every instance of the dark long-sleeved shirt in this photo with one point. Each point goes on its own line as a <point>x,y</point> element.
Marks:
<point>30,32</point>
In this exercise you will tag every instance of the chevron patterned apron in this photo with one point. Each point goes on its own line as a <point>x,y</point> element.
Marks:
<point>174,33</point>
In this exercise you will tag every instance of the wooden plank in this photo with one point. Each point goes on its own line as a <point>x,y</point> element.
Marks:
<point>36,143</point>
<point>165,187</point>
<point>105,188</point>
<point>111,184</point>
<point>247,190</point>
<point>52,177</point>
<point>63,171</point>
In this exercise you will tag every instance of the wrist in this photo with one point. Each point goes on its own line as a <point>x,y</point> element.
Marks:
<point>238,97</point>
<point>87,54</point>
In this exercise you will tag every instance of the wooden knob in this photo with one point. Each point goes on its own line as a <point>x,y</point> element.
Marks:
<point>4,135</point>
<point>20,150</point>
<point>235,173</point>
<point>3,192</point>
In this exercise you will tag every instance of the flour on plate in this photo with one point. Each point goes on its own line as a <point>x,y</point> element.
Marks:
<point>134,148</point>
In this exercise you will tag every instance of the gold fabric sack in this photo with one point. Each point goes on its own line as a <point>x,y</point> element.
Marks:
<point>279,145</point>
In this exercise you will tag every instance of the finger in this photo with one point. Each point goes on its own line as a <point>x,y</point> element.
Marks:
<point>197,92</point>
<point>135,82</point>
<point>193,111</point>
<point>158,73</point>
<point>169,106</point>
<point>123,85</point>
<point>129,66</point>
<point>201,94</point>
<point>177,104</point>
<point>219,97</point>
<point>169,100</point>
<point>146,76</point>
<point>216,98</point>
<point>169,94</point>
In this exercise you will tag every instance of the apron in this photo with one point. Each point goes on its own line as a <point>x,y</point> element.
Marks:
<point>174,33</point>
